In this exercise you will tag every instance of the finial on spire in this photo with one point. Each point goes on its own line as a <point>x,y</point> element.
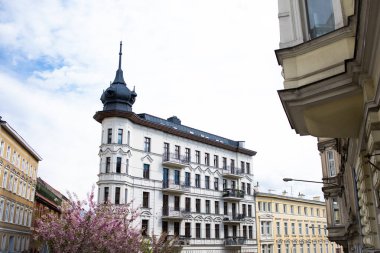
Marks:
<point>120,53</point>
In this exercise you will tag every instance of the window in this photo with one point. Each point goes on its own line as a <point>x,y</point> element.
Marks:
<point>2,149</point>
<point>176,203</point>
<point>144,227</point>
<point>224,184</point>
<point>208,206</point>
<point>224,163</point>
<point>108,164</point>
<point>208,231</point>
<point>187,179</point>
<point>10,182</point>
<point>147,144</point>
<point>106,194</point>
<point>319,229</point>
<point>197,180</point>
<point>315,248</point>
<point>301,248</point>
<point>285,208</point>
<point>299,210</point>
<point>276,207</point>
<point>197,156</point>
<point>320,15</point>
<point>317,210</point>
<point>307,229</point>
<point>292,209</point>
<point>146,171</point>
<point>244,207</point>
<point>259,206</point>
<point>336,211</point>
<point>127,166</point>
<point>216,184</point>
<point>207,182</point>
<point>177,152</point>
<point>311,211</point>
<point>233,184</point>
<point>176,177</point>
<point>1,209</point>
<point>187,155</point>
<point>128,137</point>
<point>248,189</point>
<point>120,136</point>
<point>331,164</point>
<point>166,151</point>
<point>188,204</point>
<point>278,228</point>
<point>207,159</point>
<point>164,227</point>
<point>243,186</point>
<point>286,228</point>
<point>232,164</point>
<point>117,195</point>
<point>176,228</point>
<point>250,230</point>
<point>225,208</point>
<point>242,166</point>
<point>118,165</point>
<point>305,211</point>
<point>300,228</point>
<point>216,207</point>
<point>216,161</point>
<point>217,233</point>
<point>249,210</point>
<point>146,199</point>
<point>197,230</point>
<point>293,229</point>
<point>198,205</point>
<point>269,207</point>
<point>245,231</point>
<point>187,229</point>
<point>126,195</point>
<point>5,179</point>
<point>248,168</point>
<point>9,153</point>
<point>278,248</point>
<point>109,136</point>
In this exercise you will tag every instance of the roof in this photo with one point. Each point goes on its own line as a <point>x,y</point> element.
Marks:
<point>284,197</point>
<point>19,139</point>
<point>176,129</point>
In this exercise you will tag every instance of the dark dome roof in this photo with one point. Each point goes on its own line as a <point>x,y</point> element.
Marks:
<point>118,96</point>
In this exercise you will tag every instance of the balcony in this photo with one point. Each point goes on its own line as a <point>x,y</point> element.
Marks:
<point>233,194</point>
<point>232,242</point>
<point>233,218</point>
<point>175,160</point>
<point>172,214</point>
<point>232,172</point>
<point>174,187</point>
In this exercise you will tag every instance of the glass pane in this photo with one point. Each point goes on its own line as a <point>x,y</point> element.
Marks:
<point>320,17</point>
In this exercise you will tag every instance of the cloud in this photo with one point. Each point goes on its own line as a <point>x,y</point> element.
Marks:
<point>211,63</point>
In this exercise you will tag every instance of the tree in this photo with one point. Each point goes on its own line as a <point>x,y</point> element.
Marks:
<point>85,226</point>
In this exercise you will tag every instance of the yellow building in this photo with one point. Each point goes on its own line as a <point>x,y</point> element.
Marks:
<point>291,225</point>
<point>18,177</point>
<point>330,58</point>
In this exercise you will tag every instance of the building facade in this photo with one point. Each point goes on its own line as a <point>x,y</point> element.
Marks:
<point>188,183</point>
<point>18,177</point>
<point>292,225</point>
<point>47,200</point>
<point>330,56</point>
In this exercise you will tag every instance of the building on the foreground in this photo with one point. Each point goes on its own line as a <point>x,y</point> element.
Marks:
<point>291,225</point>
<point>188,183</point>
<point>330,56</point>
<point>47,200</point>
<point>18,177</point>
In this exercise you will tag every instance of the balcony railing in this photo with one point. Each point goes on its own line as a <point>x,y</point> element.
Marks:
<point>177,186</point>
<point>175,159</point>
<point>234,241</point>
<point>233,217</point>
<point>172,213</point>
<point>233,193</point>
<point>229,171</point>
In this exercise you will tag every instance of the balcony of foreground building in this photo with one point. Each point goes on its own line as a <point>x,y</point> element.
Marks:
<point>175,160</point>
<point>233,218</point>
<point>234,242</point>
<point>177,187</point>
<point>323,95</point>
<point>233,194</point>
<point>170,213</point>
<point>232,172</point>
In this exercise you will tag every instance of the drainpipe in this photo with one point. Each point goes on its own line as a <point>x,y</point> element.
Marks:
<point>360,248</point>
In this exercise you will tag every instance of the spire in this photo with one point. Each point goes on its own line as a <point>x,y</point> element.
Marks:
<point>119,73</point>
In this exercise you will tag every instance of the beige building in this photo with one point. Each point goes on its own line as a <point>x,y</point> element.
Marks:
<point>291,225</point>
<point>18,175</point>
<point>330,58</point>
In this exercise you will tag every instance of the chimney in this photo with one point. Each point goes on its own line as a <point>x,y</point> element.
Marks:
<point>175,120</point>
<point>317,198</point>
<point>284,193</point>
<point>300,195</point>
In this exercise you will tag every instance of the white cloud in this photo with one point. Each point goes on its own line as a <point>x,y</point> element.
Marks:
<point>211,63</point>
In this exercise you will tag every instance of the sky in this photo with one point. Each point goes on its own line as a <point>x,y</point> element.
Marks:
<point>209,62</point>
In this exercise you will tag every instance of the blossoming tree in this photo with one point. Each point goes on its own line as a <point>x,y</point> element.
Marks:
<point>85,226</point>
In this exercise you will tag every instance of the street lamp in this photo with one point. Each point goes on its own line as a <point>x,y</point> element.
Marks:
<point>301,180</point>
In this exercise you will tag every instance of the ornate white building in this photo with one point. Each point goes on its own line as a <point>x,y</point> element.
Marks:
<point>187,182</point>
